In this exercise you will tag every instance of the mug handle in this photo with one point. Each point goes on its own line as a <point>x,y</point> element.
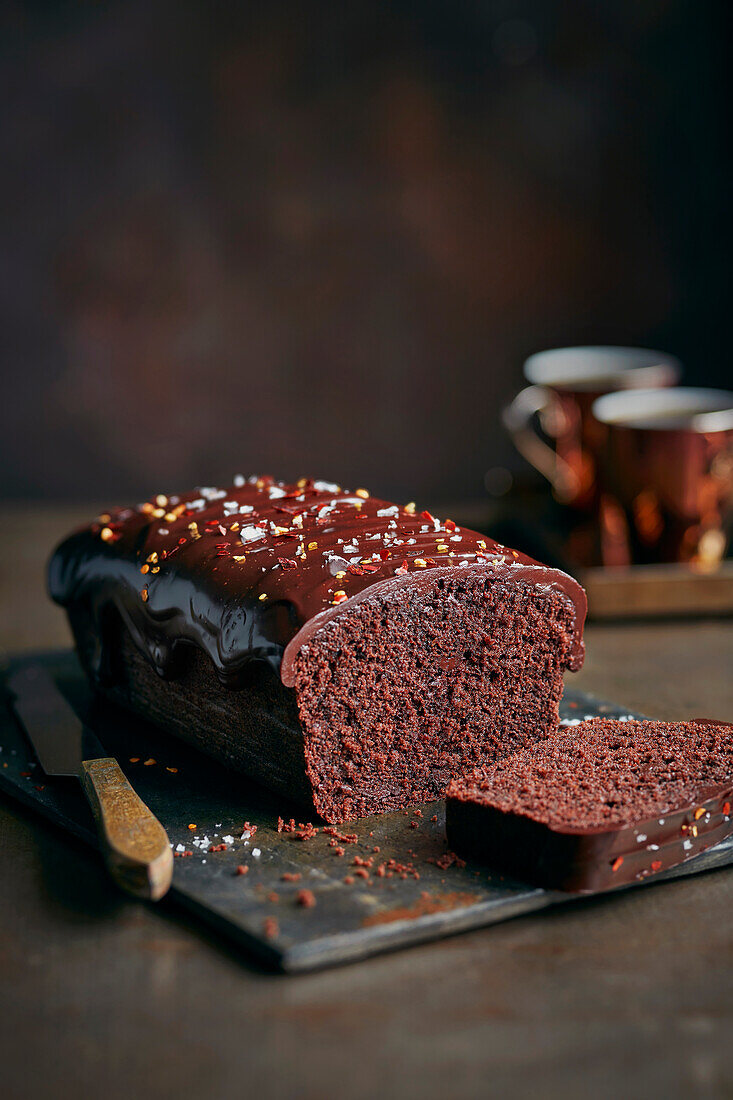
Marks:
<point>517,419</point>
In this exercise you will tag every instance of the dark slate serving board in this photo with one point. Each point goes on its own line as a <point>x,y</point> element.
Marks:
<point>422,901</point>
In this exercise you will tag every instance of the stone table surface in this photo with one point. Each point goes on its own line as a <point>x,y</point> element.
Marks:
<point>628,996</point>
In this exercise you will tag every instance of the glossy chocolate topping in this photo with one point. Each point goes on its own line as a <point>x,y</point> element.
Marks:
<point>252,571</point>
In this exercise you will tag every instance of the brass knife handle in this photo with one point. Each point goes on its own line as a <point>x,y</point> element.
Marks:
<point>134,843</point>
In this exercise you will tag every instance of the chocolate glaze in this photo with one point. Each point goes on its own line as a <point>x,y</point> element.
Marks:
<point>252,571</point>
<point>588,860</point>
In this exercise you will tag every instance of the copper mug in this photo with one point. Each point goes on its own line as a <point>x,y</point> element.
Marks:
<point>565,383</point>
<point>667,471</point>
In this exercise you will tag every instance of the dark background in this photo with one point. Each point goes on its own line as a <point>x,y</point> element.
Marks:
<point>308,238</point>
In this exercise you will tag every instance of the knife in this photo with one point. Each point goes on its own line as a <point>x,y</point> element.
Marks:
<point>134,843</point>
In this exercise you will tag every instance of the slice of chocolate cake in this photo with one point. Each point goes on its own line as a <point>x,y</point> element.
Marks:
<point>345,651</point>
<point>601,805</point>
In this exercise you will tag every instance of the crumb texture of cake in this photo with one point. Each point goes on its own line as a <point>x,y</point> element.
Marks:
<point>341,649</point>
<point>598,805</point>
<point>410,688</point>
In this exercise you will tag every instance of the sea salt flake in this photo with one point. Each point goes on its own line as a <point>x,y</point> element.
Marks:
<point>212,493</point>
<point>250,533</point>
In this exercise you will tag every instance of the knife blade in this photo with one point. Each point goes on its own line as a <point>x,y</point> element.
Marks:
<point>134,843</point>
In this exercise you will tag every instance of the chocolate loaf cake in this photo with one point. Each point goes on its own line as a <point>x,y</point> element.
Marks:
<point>346,652</point>
<point>604,804</point>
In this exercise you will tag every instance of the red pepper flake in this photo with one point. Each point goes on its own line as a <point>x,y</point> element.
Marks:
<point>725,808</point>
<point>337,849</point>
<point>270,928</point>
<point>291,876</point>
<point>147,763</point>
<point>25,775</point>
<point>273,897</point>
<point>134,759</point>
<point>617,863</point>
<point>251,829</point>
<point>449,525</point>
<point>242,869</point>
<point>306,898</point>
<point>288,563</point>
<point>361,872</point>
<point>426,515</point>
<point>402,569</point>
<point>434,817</point>
<point>375,848</point>
<point>348,880</point>
<point>41,788</point>
<point>657,865</point>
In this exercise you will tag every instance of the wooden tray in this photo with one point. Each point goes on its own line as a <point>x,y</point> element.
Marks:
<point>657,591</point>
<point>423,895</point>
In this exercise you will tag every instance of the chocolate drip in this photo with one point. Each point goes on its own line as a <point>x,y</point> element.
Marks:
<point>252,571</point>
